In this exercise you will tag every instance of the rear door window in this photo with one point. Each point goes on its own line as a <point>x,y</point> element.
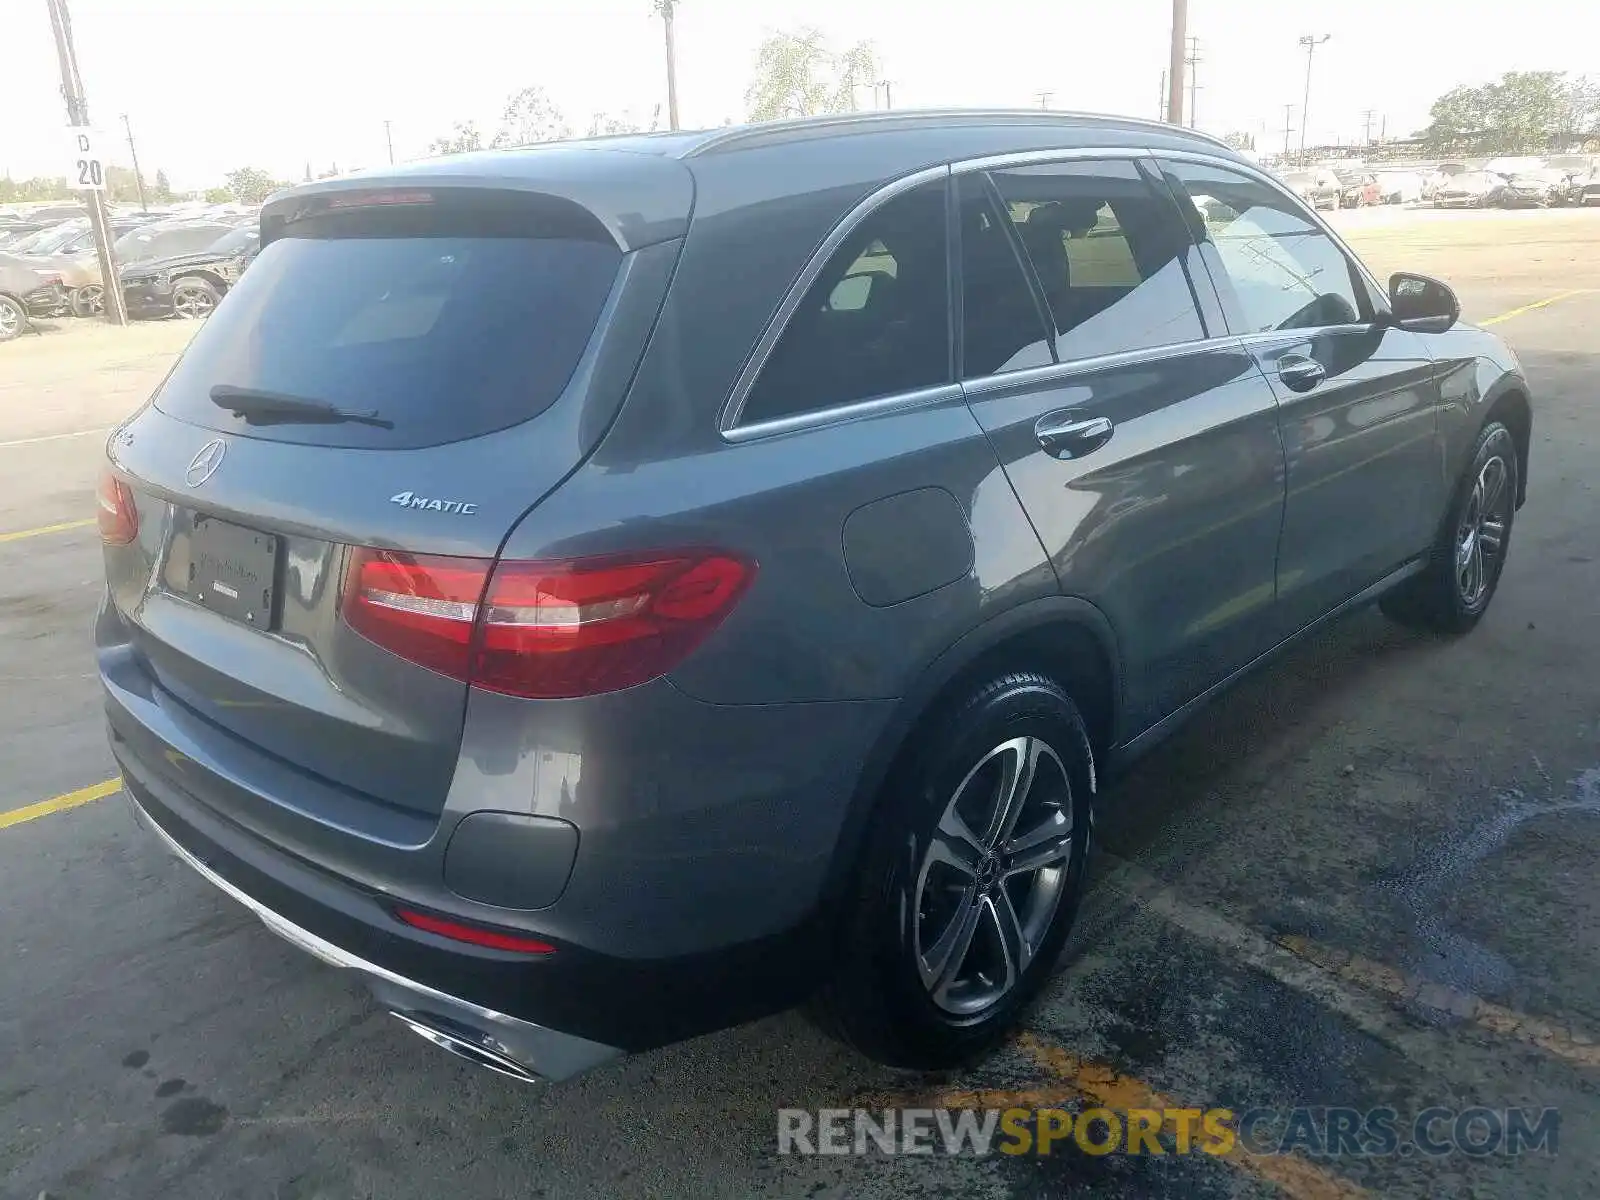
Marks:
<point>875,322</point>
<point>434,321</point>
<point>1002,326</point>
<point>1107,250</point>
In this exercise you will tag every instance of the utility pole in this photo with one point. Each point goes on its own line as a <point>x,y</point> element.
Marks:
<point>665,7</point>
<point>1367,115</point>
<point>1310,42</point>
<point>138,177</point>
<point>1161,100</point>
<point>116,310</point>
<point>1192,61</point>
<point>888,93</point>
<point>1044,99</point>
<point>1180,21</point>
<point>1288,128</point>
<point>389,137</point>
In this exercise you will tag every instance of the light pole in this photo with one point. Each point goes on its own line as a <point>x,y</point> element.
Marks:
<point>665,7</point>
<point>1310,42</point>
<point>388,136</point>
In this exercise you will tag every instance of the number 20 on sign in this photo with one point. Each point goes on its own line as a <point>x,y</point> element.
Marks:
<point>86,171</point>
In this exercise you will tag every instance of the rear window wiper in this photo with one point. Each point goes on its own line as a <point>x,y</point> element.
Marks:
<point>276,408</point>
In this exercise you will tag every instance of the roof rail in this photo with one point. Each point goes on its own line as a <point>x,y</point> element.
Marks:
<point>724,138</point>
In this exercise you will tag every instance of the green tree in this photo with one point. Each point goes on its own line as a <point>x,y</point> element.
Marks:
<point>607,125</point>
<point>162,192</point>
<point>1523,112</point>
<point>1241,140</point>
<point>463,139</point>
<point>218,196</point>
<point>251,185</point>
<point>531,117</point>
<point>799,75</point>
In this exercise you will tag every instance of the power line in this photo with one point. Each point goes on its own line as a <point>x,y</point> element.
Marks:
<point>1161,102</point>
<point>1367,115</point>
<point>1193,60</point>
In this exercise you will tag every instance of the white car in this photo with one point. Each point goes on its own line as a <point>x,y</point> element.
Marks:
<point>1399,187</point>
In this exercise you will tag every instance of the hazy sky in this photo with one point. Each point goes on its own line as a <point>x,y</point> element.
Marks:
<point>215,84</point>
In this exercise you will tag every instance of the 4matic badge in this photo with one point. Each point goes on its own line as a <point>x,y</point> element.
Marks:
<point>412,500</point>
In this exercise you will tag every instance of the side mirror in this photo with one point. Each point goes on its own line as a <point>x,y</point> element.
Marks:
<point>1422,304</point>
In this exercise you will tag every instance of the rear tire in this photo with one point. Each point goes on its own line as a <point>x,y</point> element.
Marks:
<point>1469,554</point>
<point>88,301</point>
<point>970,879</point>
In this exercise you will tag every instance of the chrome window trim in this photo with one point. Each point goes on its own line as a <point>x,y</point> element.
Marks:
<point>840,413</point>
<point>1051,372</point>
<point>1042,158</point>
<point>733,408</point>
<point>1250,170</point>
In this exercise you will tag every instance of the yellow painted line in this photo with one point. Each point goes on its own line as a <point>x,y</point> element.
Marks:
<point>1561,1040</point>
<point>1528,308</point>
<point>43,529</point>
<point>61,803</point>
<point>1075,1078</point>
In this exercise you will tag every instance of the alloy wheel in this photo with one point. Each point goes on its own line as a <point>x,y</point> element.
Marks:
<point>192,303</point>
<point>1481,535</point>
<point>10,322</point>
<point>993,876</point>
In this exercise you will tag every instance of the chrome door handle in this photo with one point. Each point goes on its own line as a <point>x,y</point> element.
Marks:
<point>1069,436</point>
<point>1300,374</point>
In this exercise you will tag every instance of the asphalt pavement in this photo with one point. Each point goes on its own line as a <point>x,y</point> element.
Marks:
<point>1364,879</point>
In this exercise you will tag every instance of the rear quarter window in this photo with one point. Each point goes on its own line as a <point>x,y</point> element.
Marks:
<point>443,327</point>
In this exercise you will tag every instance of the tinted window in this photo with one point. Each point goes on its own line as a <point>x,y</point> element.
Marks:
<point>445,334</point>
<point>1280,270</point>
<point>1108,252</point>
<point>876,320</point>
<point>1002,327</point>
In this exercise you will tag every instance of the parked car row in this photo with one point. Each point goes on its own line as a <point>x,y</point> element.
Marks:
<point>172,267</point>
<point>1499,183</point>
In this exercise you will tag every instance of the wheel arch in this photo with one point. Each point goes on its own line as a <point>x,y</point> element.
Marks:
<point>1511,407</point>
<point>1065,637</point>
<point>204,276</point>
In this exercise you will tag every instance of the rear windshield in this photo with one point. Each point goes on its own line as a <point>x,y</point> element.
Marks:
<point>454,329</point>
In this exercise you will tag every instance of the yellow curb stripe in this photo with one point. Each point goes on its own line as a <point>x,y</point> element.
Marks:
<point>1537,304</point>
<point>61,803</point>
<point>1562,1041</point>
<point>43,529</point>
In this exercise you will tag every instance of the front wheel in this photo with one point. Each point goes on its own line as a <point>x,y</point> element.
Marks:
<point>1463,571</point>
<point>970,880</point>
<point>193,299</point>
<point>13,318</point>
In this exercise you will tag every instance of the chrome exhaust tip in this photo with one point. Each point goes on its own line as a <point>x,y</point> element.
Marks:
<point>465,1043</point>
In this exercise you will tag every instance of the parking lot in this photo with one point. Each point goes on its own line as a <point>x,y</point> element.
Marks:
<point>1364,879</point>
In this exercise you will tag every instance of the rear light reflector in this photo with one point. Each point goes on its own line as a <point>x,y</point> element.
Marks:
<point>115,511</point>
<point>544,630</point>
<point>476,935</point>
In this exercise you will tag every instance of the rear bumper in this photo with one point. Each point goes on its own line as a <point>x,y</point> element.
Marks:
<point>496,1040</point>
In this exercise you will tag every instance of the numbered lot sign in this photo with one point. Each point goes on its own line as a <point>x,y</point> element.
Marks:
<point>86,169</point>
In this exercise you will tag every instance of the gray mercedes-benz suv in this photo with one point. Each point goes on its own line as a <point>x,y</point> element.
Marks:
<point>605,592</point>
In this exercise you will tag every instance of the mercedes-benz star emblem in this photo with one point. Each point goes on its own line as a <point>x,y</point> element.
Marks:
<point>204,464</point>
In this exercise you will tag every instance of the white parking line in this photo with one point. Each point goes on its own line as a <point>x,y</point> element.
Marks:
<point>54,437</point>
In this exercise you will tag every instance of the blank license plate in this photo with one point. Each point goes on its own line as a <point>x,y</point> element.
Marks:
<point>234,570</point>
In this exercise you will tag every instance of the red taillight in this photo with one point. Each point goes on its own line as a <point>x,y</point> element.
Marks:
<point>476,935</point>
<point>115,512</point>
<point>545,630</point>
